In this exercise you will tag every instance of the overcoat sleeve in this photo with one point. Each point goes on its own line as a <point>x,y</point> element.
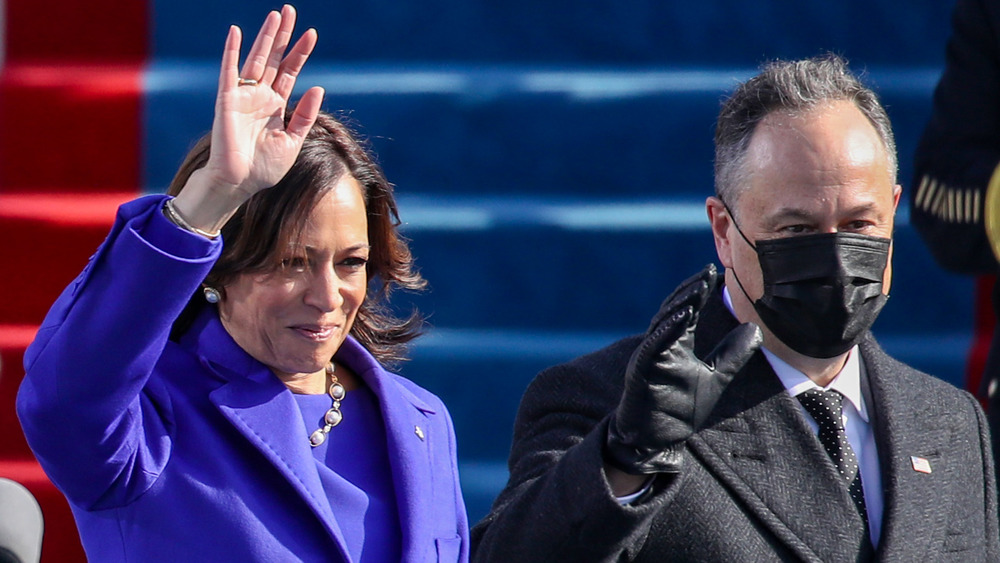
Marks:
<point>95,419</point>
<point>960,147</point>
<point>557,505</point>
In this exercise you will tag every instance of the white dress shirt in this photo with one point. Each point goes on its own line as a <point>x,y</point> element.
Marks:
<point>857,423</point>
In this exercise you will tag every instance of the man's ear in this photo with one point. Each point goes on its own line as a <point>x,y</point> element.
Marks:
<point>718,217</point>
<point>887,274</point>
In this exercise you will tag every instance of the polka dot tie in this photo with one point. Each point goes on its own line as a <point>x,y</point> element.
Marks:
<point>827,409</point>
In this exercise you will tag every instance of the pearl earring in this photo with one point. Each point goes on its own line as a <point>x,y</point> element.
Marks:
<point>211,295</point>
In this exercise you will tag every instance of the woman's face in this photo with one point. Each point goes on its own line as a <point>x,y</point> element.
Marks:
<point>294,319</point>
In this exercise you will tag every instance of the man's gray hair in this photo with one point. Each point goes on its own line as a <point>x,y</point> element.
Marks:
<point>793,87</point>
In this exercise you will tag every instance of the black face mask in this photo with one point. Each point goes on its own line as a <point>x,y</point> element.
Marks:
<point>821,292</point>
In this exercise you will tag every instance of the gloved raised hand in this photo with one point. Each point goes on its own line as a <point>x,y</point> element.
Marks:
<point>669,392</point>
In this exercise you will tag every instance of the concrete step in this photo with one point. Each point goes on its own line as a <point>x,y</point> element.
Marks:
<point>605,265</point>
<point>48,237</point>
<point>61,31</point>
<point>590,31</point>
<point>473,130</point>
<point>14,339</point>
<point>71,127</point>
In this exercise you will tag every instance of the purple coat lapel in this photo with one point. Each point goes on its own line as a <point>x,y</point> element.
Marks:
<point>407,437</point>
<point>260,407</point>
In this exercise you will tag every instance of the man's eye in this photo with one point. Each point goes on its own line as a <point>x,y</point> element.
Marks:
<point>795,229</point>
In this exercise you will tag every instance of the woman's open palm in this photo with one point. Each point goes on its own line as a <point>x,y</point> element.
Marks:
<point>252,148</point>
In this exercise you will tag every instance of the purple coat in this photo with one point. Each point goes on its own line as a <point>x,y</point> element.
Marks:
<point>193,450</point>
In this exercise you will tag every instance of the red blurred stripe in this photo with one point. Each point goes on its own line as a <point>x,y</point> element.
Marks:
<point>70,153</point>
<point>74,31</point>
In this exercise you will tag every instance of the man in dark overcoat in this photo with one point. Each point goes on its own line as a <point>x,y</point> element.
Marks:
<point>758,419</point>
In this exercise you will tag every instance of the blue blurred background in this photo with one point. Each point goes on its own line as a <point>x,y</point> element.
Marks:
<point>552,160</point>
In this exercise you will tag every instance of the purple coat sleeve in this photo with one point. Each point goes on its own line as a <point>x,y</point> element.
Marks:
<point>96,421</point>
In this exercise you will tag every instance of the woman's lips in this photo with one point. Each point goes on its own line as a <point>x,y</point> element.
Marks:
<point>314,332</point>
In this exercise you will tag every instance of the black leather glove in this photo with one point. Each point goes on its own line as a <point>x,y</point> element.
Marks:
<point>669,392</point>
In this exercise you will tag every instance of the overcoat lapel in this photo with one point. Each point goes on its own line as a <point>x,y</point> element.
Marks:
<point>408,437</point>
<point>256,403</point>
<point>265,414</point>
<point>908,427</point>
<point>759,445</point>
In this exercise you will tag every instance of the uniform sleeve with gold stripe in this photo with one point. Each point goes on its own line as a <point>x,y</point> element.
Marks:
<point>960,148</point>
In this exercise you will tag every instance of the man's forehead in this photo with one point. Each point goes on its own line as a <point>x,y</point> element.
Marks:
<point>818,206</point>
<point>808,142</point>
<point>834,120</point>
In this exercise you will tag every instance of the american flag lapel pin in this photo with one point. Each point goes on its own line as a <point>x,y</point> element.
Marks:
<point>920,464</point>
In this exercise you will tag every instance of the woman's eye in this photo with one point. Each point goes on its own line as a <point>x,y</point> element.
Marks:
<point>294,263</point>
<point>354,262</point>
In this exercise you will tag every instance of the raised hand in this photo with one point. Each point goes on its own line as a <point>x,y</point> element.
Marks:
<point>252,148</point>
<point>669,392</point>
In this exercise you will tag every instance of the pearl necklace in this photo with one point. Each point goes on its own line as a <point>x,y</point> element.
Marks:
<point>333,416</point>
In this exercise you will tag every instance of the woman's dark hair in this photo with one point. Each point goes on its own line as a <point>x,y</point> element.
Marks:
<point>272,219</point>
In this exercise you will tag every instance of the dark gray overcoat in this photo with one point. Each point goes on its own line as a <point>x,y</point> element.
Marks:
<point>757,484</point>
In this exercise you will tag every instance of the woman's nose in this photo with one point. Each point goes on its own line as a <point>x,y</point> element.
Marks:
<point>324,290</point>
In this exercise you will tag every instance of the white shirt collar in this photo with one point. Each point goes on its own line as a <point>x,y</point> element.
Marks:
<point>847,382</point>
